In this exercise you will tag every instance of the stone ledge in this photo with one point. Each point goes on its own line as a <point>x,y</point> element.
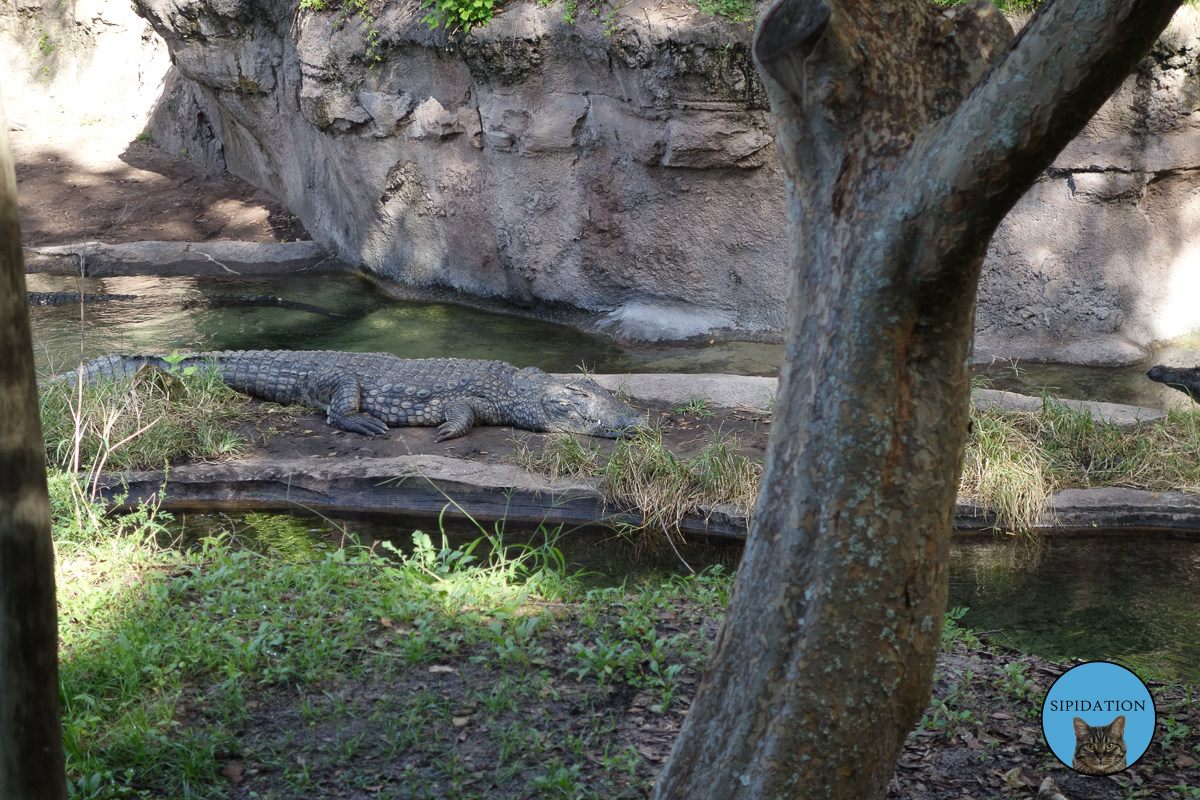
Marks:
<point>426,486</point>
<point>96,259</point>
<point>416,486</point>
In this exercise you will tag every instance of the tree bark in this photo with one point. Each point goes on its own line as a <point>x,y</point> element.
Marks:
<point>898,174</point>
<point>31,748</point>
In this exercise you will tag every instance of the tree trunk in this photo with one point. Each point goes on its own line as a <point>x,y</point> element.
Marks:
<point>31,752</point>
<point>898,174</point>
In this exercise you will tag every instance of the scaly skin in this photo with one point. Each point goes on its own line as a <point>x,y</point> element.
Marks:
<point>369,392</point>
<point>1186,380</point>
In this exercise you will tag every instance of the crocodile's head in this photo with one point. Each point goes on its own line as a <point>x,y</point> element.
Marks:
<point>581,405</point>
<point>1185,380</point>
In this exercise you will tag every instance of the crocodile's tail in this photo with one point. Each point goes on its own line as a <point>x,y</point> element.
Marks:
<point>114,366</point>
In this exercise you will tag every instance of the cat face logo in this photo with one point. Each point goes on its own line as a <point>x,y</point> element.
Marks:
<point>1099,749</point>
<point>1098,718</point>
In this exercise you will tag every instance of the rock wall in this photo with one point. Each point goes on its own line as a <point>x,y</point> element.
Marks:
<point>98,56</point>
<point>615,173</point>
<point>1102,256</point>
<point>554,166</point>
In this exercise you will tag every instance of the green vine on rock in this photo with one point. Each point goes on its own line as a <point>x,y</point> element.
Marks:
<point>458,14</point>
<point>360,7</point>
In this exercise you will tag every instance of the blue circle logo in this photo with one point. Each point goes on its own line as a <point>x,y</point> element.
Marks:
<point>1098,718</point>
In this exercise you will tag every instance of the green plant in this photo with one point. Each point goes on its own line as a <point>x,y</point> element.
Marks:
<point>139,421</point>
<point>694,404</point>
<point>953,634</point>
<point>733,10</point>
<point>1016,680</point>
<point>1175,731</point>
<point>458,14</point>
<point>145,137</point>
<point>46,45</point>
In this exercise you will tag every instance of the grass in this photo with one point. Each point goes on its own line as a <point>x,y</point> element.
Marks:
<point>484,670</point>
<point>1015,460</point>
<point>142,421</point>
<point>642,473</point>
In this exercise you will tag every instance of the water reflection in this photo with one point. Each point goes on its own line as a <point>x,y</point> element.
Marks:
<point>1130,597</point>
<point>359,319</point>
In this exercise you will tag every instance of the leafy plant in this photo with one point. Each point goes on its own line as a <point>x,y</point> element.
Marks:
<point>694,404</point>
<point>458,14</point>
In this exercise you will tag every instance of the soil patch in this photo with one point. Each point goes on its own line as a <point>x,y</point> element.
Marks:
<point>305,434</point>
<point>89,179</point>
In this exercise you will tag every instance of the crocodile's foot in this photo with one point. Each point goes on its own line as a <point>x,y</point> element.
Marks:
<point>359,423</point>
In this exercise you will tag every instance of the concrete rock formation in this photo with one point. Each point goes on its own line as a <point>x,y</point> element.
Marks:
<point>631,175</point>
<point>1102,256</point>
<point>625,182</point>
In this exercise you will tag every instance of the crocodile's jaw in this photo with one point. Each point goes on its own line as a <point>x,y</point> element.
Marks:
<point>583,406</point>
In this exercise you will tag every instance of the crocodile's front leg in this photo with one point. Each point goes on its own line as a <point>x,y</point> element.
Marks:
<point>459,418</point>
<point>344,410</point>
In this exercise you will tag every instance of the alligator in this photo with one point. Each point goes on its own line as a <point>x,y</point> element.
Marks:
<point>1185,379</point>
<point>66,298</point>
<point>203,301</point>
<point>369,392</point>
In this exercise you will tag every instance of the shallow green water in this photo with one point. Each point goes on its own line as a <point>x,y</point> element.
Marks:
<point>361,319</point>
<point>1131,597</point>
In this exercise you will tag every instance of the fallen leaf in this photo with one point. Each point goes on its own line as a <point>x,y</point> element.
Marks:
<point>649,754</point>
<point>462,736</point>
<point>253,704</point>
<point>1183,762</point>
<point>460,722</point>
<point>234,770</point>
<point>441,668</point>
<point>386,622</point>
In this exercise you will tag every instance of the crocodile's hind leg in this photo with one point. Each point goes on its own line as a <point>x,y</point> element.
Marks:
<point>459,419</point>
<point>344,413</point>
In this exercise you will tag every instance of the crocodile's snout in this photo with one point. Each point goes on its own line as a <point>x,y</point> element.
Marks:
<point>1184,380</point>
<point>584,406</point>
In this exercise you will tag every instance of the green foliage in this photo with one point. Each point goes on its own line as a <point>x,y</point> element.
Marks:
<point>1003,5</point>
<point>145,137</point>
<point>139,421</point>
<point>733,10</point>
<point>694,404</point>
<point>1016,459</point>
<point>953,634</point>
<point>360,8</point>
<point>458,14</point>
<point>46,45</point>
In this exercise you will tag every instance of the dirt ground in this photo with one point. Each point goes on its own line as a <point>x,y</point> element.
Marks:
<point>87,179</point>
<point>306,435</point>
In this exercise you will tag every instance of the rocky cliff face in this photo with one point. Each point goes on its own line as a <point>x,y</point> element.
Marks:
<point>1102,256</point>
<point>630,174</point>
<point>615,173</point>
<point>97,56</point>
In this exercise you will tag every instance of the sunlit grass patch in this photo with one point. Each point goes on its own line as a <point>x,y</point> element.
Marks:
<point>353,667</point>
<point>140,421</point>
<point>1015,460</point>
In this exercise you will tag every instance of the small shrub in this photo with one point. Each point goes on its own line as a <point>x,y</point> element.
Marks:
<point>458,14</point>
